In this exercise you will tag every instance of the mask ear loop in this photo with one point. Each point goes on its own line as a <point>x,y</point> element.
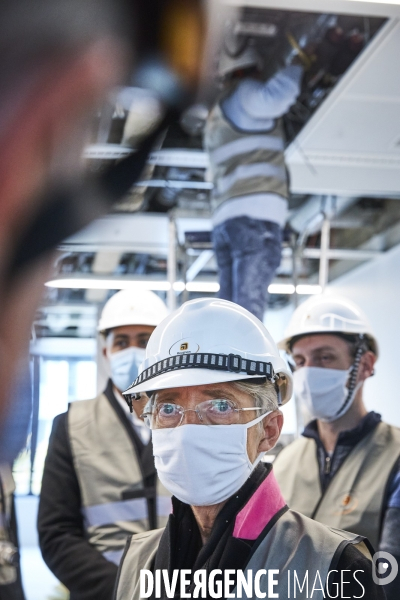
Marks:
<point>130,399</point>
<point>248,425</point>
<point>256,420</point>
<point>361,348</point>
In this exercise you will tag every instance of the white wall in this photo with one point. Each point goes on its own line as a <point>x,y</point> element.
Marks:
<point>375,287</point>
<point>38,581</point>
<point>276,321</point>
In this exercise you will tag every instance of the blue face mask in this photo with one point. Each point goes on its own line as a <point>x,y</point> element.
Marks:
<point>324,392</point>
<point>125,366</point>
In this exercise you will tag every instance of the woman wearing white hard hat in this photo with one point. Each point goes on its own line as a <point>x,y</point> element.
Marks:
<point>214,380</point>
<point>344,470</point>
<point>99,482</point>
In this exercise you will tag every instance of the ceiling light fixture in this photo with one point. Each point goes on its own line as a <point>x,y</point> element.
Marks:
<point>205,287</point>
<point>288,288</point>
<point>81,283</point>
<point>97,283</point>
<point>309,289</point>
<point>281,288</point>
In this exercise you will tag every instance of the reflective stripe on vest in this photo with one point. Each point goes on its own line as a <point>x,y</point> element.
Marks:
<point>114,556</point>
<point>244,145</point>
<point>126,510</point>
<point>243,172</point>
<point>242,163</point>
<point>106,466</point>
<point>295,543</point>
<point>354,498</point>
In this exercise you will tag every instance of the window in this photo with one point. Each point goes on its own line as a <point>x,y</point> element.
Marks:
<point>61,380</point>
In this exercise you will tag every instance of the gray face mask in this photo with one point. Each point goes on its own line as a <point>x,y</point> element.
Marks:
<point>323,392</point>
<point>125,366</point>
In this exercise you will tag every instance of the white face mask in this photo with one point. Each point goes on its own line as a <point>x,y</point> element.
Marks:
<point>203,465</point>
<point>323,392</point>
<point>125,366</point>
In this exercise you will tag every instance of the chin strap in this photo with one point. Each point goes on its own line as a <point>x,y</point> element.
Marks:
<point>129,401</point>
<point>131,398</point>
<point>361,348</point>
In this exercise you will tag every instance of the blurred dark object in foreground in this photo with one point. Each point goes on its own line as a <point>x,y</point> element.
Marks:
<point>59,61</point>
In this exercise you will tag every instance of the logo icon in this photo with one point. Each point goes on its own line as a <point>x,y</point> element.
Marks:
<point>184,346</point>
<point>348,504</point>
<point>384,568</point>
<point>345,503</point>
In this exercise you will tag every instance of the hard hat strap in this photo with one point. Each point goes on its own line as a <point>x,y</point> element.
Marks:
<point>232,363</point>
<point>360,349</point>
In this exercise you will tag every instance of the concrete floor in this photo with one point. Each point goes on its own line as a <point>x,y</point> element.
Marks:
<point>39,582</point>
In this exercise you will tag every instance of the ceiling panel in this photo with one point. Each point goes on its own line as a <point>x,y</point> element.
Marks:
<point>352,143</point>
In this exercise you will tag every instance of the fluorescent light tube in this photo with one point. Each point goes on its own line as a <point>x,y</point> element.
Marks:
<point>309,289</point>
<point>202,286</point>
<point>108,284</point>
<point>97,283</point>
<point>281,288</point>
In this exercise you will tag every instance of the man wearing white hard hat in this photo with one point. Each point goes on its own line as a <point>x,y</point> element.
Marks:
<point>245,140</point>
<point>214,380</point>
<point>99,482</point>
<point>344,470</point>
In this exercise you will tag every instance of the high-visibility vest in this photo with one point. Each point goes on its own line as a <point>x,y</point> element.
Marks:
<point>294,543</point>
<point>354,498</point>
<point>115,502</point>
<point>243,162</point>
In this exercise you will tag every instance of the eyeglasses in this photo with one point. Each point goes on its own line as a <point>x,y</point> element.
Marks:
<point>210,412</point>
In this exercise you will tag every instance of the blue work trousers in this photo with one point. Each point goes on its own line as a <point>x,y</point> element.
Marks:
<point>248,252</point>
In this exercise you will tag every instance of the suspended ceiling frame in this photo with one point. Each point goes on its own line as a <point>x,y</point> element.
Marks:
<point>351,145</point>
<point>314,169</point>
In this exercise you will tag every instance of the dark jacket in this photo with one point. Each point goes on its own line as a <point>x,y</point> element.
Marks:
<point>65,549</point>
<point>232,547</point>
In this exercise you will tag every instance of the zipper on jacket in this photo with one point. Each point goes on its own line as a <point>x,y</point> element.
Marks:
<point>328,462</point>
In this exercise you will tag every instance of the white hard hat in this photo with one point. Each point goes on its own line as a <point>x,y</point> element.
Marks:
<point>210,341</point>
<point>128,307</point>
<point>328,314</point>
<point>249,57</point>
